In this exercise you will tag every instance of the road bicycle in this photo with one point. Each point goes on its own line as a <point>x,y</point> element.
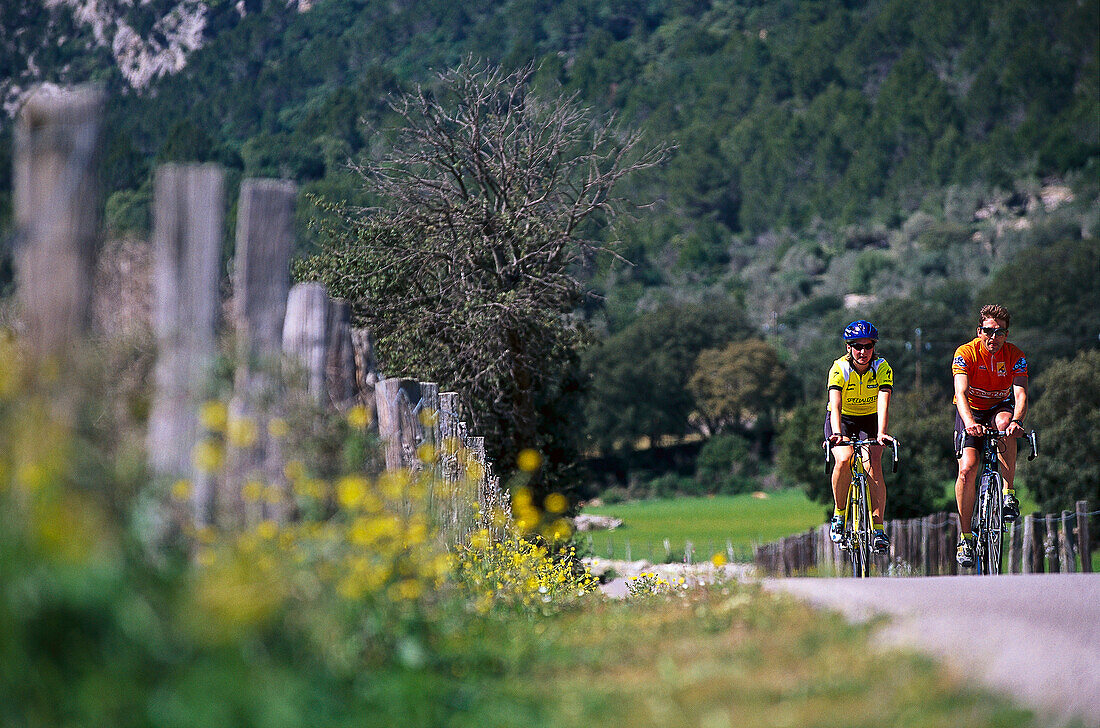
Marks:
<point>987,521</point>
<point>858,528</point>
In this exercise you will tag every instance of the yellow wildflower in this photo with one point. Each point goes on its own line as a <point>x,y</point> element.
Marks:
<point>241,432</point>
<point>208,455</point>
<point>278,428</point>
<point>181,490</point>
<point>214,415</point>
<point>359,417</point>
<point>529,460</point>
<point>556,503</point>
<point>252,490</point>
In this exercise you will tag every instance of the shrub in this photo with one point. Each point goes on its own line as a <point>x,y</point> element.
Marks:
<point>726,465</point>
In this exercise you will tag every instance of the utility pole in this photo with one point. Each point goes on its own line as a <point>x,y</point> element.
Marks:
<point>917,333</point>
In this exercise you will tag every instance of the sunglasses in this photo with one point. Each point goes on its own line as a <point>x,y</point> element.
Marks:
<point>993,331</point>
<point>862,347</point>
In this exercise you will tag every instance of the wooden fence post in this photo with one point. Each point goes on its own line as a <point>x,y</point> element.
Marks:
<point>916,547</point>
<point>1034,556</point>
<point>951,537</point>
<point>429,420</point>
<point>366,371</point>
<point>1050,544</point>
<point>412,431</point>
<point>388,397</point>
<point>1066,543</point>
<point>475,468</point>
<point>58,145</point>
<point>926,546</point>
<point>1084,544</point>
<point>1015,548</point>
<point>265,237</point>
<point>824,551</point>
<point>340,375</point>
<point>188,215</point>
<point>306,334</point>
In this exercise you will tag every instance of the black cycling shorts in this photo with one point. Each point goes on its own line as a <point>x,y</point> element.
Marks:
<point>859,427</point>
<point>982,417</point>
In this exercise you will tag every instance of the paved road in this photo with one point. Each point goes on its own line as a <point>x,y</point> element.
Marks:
<point>1034,636</point>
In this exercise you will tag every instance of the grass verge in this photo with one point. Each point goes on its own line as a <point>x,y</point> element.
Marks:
<point>708,522</point>
<point>726,657</point>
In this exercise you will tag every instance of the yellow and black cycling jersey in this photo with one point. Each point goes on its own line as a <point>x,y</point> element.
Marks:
<point>859,392</point>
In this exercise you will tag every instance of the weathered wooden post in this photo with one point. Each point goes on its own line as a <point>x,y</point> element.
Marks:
<point>340,374</point>
<point>1050,545</point>
<point>899,544</point>
<point>1033,553</point>
<point>265,238</point>
<point>951,537</point>
<point>916,555</point>
<point>188,215</point>
<point>306,334</point>
<point>824,550</point>
<point>412,431</point>
<point>475,469</point>
<point>1015,548</point>
<point>1084,544</point>
<point>366,370</point>
<point>926,546</point>
<point>429,423</point>
<point>57,202</point>
<point>388,396</point>
<point>1066,543</point>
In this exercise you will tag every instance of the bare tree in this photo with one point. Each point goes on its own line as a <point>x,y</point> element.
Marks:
<point>469,269</point>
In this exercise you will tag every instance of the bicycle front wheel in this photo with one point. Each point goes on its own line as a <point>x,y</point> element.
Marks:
<point>859,516</point>
<point>993,524</point>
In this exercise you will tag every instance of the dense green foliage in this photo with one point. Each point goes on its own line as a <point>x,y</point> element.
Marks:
<point>929,156</point>
<point>1067,417</point>
<point>639,376</point>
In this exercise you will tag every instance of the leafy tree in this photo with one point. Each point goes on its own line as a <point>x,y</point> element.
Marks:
<point>1066,414</point>
<point>799,456</point>
<point>469,269</point>
<point>1053,295</point>
<point>745,379</point>
<point>922,421</point>
<point>726,464</point>
<point>639,376</point>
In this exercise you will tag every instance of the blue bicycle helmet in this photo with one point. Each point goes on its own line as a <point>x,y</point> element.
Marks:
<point>860,330</point>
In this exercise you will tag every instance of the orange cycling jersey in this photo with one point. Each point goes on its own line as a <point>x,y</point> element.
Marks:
<point>989,375</point>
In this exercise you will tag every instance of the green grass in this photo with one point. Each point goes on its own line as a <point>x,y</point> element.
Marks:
<point>720,658</point>
<point>708,522</point>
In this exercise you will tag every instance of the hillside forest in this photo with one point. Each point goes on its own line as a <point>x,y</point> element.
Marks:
<point>810,163</point>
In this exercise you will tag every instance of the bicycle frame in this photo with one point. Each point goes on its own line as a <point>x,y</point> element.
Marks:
<point>987,519</point>
<point>858,527</point>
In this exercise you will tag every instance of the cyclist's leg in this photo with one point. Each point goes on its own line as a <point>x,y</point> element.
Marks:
<point>877,486</point>
<point>1008,457</point>
<point>967,449</point>
<point>964,486</point>
<point>842,476</point>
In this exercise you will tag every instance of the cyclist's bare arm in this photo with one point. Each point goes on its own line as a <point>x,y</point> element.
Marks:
<point>962,386</point>
<point>884,415</point>
<point>835,397</point>
<point>1019,407</point>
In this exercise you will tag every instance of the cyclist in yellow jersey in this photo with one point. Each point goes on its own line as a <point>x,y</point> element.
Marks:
<point>859,407</point>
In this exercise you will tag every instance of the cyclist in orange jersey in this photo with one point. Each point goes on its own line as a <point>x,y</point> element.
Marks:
<point>990,390</point>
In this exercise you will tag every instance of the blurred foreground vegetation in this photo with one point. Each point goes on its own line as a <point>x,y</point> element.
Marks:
<point>116,611</point>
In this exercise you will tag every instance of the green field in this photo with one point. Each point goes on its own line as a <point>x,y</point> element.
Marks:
<point>711,524</point>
